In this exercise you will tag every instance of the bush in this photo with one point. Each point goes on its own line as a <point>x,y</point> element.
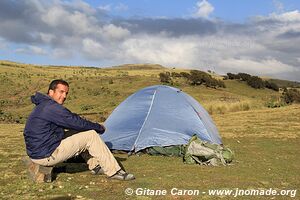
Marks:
<point>291,96</point>
<point>175,74</point>
<point>255,82</point>
<point>271,86</point>
<point>232,76</point>
<point>245,77</point>
<point>275,104</point>
<point>198,77</point>
<point>185,75</point>
<point>165,77</point>
<point>86,107</point>
<point>221,84</point>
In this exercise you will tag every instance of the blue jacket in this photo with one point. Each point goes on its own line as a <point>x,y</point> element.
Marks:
<point>45,126</point>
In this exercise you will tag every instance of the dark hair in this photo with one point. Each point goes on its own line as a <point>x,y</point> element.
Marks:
<point>54,84</point>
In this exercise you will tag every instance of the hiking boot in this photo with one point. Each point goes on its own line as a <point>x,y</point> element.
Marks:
<point>38,173</point>
<point>97,170</point>
<point>122,176</point>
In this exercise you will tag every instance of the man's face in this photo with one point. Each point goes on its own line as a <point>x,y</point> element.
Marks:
<point>60,93</point>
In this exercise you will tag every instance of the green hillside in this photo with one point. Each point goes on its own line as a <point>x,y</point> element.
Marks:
<point>265,140</point>
<point>95,92</point>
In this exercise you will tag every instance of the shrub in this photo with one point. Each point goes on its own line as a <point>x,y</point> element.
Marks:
<point>291,96</point>
<point>175,74</point>
<point>255,82</point>
<point>275,104</point>
<point>221,84</point>
<point>245,77</point>
<point>240,106</point>
<point>165,77</point>
<point>271,86</point>
<point>86,107</point>
<point>232,76</point>
<point>185,75</point>
<point>198,77</point>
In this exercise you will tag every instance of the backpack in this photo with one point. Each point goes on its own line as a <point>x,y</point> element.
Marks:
<point>205,153</point>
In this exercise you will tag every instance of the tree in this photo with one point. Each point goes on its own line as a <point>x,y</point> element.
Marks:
<point>244,76</point>
<point>165,77</point>
<point>185,75</point>
<point>198,77</point>
<point>291,96</point>
<point>232,76</point>
<point>255,82</point>
<point>271,86</point>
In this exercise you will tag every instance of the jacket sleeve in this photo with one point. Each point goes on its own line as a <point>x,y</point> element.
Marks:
<point>61,116</point>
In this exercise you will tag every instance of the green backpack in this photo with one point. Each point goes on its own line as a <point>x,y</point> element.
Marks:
<point>205,153</point>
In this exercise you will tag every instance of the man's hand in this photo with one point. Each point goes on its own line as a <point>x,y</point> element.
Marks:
<point>103,128</point>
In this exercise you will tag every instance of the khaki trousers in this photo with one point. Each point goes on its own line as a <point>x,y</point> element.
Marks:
<point>90,144</point>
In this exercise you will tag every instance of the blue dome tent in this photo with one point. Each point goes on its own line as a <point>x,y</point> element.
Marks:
<point>158,116</point>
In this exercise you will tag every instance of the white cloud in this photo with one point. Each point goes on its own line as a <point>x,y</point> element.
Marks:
<point>3,44</point>
<point>75,22</point>
<point>120,7</point>
<point>65,29</point>
<point>160,49</point>
<point>269,66</point>
<point>204,9</point>
<point>55,16</point>
<point>278,5</point>
<point>114,32</point>
<point>105,8</point>
<point>291,16</point>
<point>80,6</point>
<point>288,16</point>
<point>31,50</point>
<point>93,49</point>
<point>59,53</point>
<point>46,37</point>
<point>37,50</point>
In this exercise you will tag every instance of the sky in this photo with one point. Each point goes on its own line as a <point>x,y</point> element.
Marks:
<point>251,36</point>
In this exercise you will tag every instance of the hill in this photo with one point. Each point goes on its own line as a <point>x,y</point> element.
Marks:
<point>95,92</point>
<point>285,83</point>
<point>139,66</point>
<point>262,138</point>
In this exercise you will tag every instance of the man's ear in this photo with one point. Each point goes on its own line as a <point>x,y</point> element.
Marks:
<point>50,93</point>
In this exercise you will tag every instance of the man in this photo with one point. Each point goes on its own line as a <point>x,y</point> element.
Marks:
<point>47,144</point>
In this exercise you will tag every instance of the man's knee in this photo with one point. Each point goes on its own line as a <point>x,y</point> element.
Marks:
<point>94,136</point>
<point>92,133</point>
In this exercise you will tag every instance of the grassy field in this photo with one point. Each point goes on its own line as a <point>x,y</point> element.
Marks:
<point>265,140</point>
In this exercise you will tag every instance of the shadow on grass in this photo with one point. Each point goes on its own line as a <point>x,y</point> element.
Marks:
<point>63,198</point>
<point>76,165</point>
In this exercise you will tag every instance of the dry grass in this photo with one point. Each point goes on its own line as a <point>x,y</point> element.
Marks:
<point>268,123</point>
<point>265,140</point>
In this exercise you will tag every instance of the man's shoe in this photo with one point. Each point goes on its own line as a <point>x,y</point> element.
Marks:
<point>97,170</point>
<point>123,176</point>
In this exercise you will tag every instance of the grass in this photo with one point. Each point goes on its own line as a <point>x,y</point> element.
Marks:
<point>96,90</point>
<point>266,157</point>
<point>265,141</point>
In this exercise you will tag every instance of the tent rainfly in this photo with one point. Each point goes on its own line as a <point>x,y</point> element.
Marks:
<point>158,116</point>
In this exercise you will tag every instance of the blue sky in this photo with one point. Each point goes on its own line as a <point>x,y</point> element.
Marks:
<point>232,10</point>
<point>256,37</point>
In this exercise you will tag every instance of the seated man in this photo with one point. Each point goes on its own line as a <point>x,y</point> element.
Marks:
<point>47,144</point>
